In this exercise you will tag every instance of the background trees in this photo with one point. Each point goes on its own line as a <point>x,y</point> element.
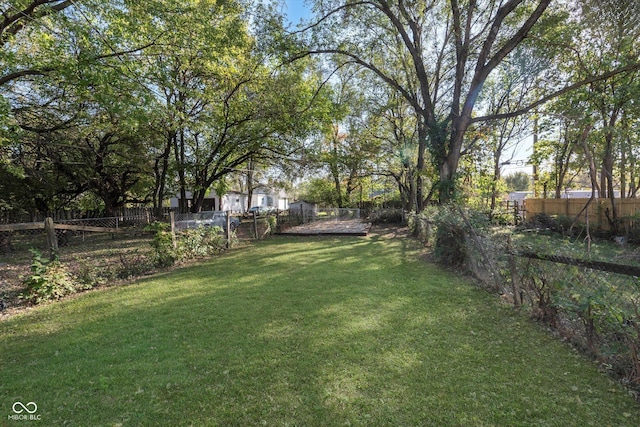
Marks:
<point>447,50</point>
<point>117,102</point>
<point>131,102</point>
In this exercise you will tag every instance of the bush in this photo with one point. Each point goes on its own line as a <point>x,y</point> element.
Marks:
<point>451,244</point>
<point>88,274</point>
<point>387,216</point>
<point>272,221</point>
<point>165,253</point>
<point>49,280</point>
<point>201,242</point>
<point>421,226</point>
<point>190,243</point>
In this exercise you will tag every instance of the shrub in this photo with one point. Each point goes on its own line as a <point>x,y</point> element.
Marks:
<point>88,274</point>
<point>421,226</point>
<point>201,242</point>
<point>272,221</point>
<point>447,227</point>
<point>49,280</point>
<point>387,216</point>
<point>165,253</point>
<point>450,245</point>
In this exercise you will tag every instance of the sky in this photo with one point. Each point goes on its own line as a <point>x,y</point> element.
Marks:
<point>296,10</point>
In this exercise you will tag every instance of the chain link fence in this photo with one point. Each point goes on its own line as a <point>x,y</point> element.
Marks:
<point>96,251</point>
<point>593,304</point>
<point>101,251</point>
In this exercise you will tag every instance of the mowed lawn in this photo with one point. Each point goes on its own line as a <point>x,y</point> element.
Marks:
<point>300,332</point>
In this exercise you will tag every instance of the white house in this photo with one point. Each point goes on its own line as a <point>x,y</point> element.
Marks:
<point>238,202</point>
<point>519,196</point>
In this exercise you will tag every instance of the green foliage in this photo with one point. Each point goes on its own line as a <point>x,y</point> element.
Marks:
<point>518,181</point>
<point>49,280</point>
<point>447,227</point>
<point>201,242</point>
<point>165,253</point>
<point>450,237</point>
<point>320,191</point>
<point>191,243</point>
<point>272,221</point>
<point>89,275</point>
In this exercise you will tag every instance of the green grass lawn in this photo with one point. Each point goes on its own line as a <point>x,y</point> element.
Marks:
<point>299,332</point>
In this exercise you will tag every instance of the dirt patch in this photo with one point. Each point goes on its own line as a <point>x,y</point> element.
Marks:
<point>353,227</point>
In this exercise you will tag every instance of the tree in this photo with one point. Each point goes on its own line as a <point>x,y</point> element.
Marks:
<point>610,36</point>
<point>507,90</point>
<point>79,106</point>
<point>347,147</point>
<point>518,181</point>
<point>453,48</point>
<point>16,18</point>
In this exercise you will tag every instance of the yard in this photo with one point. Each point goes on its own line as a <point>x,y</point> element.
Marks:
<point>300,331</point>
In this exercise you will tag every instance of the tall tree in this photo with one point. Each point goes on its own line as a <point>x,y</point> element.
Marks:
<point>454,46</point>
<point>610,38</point>
<point>17,17</point>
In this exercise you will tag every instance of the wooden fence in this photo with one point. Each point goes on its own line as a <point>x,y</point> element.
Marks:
<point>597,212</point>
<point>137,215</point>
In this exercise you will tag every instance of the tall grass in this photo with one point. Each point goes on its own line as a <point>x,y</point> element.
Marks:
<point>307,332</point>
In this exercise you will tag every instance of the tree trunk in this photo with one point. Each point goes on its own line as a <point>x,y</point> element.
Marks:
<point>160,168</point>
<point>179,154</point>
<point>448,171</point>
<point>250,185</point>
<point>496,178</point>
<point>420,167</point>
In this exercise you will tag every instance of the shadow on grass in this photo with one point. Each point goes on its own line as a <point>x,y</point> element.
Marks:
<point>299,331</point>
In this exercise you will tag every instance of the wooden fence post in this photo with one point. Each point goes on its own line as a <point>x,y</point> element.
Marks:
<point>515,284</point>
<point>52,239</point>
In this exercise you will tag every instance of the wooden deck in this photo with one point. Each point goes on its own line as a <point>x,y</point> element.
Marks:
<point>353,227</point>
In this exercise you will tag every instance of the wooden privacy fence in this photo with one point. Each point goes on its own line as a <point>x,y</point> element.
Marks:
<point>596,212</point>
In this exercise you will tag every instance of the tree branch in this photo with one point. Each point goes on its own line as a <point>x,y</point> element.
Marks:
<point>23,73</point>
<point>356,59</point>
<point>12,24</point>
<point>566,89</point>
